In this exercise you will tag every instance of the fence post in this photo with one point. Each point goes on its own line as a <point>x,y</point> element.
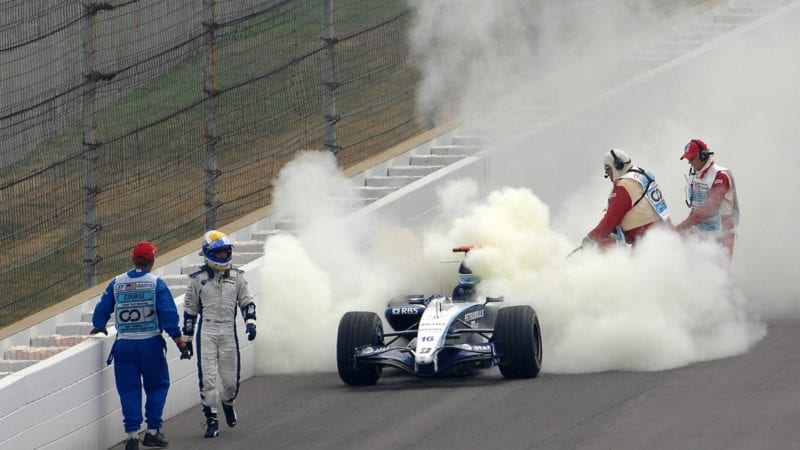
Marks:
<point>210,138</point>
<point>329,79</point>
<point>90,145</point>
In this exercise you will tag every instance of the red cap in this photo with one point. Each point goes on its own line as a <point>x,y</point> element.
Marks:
<point>693,148</point>
<point>144,252</point>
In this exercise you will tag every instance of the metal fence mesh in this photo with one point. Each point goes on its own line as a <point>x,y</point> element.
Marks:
<point>104,109</point>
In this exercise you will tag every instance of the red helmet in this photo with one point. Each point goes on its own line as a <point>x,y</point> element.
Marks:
<point>144,252</point>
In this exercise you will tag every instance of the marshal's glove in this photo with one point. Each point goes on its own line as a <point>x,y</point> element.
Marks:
<point>250,328</point>
<point>99,330</point>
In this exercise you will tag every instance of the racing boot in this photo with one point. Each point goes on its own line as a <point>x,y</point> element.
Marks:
<point>212,424</point>
<point>132,443</point>
<point>156,439</point>
<point>230,414</point>
<point>212,427</point>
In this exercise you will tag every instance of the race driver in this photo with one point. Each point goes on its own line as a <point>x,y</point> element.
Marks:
<point>213,296</point>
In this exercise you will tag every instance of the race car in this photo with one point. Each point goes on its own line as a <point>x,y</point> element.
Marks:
<point>439,335</point>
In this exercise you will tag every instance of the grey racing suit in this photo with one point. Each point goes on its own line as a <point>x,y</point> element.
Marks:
<point>214,297</point>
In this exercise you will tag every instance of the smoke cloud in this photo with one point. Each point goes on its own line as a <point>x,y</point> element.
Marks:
<point>599,311</point>
<point>531,69</point>
<point>668,303</point>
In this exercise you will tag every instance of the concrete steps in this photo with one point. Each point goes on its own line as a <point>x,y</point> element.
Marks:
<point>41,347</point>
<point>86,317</point>
<point>385,181</point>
<point>32,353</point>
<point>427,159</point>
<point>411,171</point>
<point>14,360</point>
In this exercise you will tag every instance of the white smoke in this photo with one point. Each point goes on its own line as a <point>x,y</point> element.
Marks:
<point>635,310</point>
<point>738,94</point>
<point>480,57</point>
<point>640,310</point>
<point>329,264</point>
<point>668,303</point>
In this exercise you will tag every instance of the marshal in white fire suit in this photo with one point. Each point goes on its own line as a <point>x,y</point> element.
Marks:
<point>212,300</point>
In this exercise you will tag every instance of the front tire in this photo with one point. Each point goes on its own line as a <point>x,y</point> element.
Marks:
<point>358,328</point>
<point>518,337</point>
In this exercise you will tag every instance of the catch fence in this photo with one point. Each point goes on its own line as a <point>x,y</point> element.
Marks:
<point>147,119</point>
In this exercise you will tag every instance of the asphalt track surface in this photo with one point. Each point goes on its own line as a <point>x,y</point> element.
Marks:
<point>751,401</point>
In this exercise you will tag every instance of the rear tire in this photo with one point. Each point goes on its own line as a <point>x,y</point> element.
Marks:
<point>358,328</point>
<point>518,337</point>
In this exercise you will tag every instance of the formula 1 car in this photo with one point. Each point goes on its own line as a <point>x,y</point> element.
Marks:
<point>439,335</point>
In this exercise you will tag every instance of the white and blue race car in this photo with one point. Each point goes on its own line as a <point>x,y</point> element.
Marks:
<point>438,335</point>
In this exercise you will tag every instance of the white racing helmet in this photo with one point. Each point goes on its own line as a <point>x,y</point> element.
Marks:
<point>213,242</point>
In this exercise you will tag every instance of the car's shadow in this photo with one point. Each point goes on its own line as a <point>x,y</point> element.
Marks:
<point>395,379</point>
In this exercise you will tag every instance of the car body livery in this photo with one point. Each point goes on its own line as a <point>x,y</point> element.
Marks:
<point>438,335</point>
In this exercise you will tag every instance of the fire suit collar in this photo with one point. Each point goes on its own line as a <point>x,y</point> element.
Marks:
<point>705,168</point>
<point>216,273</point>
<point>222,275</point>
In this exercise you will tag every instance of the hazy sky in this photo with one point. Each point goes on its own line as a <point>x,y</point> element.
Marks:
<point>670,303</point>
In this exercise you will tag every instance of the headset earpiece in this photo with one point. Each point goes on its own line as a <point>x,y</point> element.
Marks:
<point>704,154</point>
<point>618,163</point>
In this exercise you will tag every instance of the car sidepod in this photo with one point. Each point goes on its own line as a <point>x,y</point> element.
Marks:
<point>404,315</point>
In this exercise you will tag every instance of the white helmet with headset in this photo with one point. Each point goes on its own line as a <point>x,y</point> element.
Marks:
<point>618,161</point>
